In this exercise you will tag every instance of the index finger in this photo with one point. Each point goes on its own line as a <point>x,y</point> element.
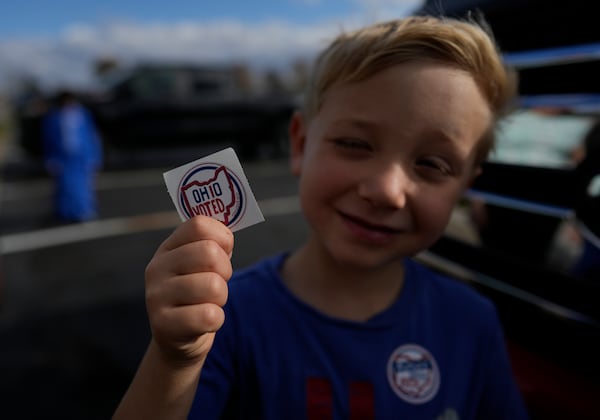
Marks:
<point>200,228</point>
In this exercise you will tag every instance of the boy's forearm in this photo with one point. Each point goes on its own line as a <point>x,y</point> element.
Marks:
<point>159,390</point>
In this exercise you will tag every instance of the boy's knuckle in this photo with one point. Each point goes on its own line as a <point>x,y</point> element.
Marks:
<point>229,239</point>
<point>208,247</point>
<point>212,316</point>
<point>212,253</point>
<point>212,284</point>
<point>216,289</point>
<point>159,319</point>
<point>195,223</point>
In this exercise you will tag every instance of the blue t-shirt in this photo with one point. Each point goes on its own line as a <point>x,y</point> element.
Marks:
<point>437,353</point>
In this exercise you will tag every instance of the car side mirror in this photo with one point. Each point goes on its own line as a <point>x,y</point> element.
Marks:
<point>587,196</point>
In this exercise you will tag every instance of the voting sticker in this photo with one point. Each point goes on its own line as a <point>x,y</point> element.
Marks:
<point>214,186</point>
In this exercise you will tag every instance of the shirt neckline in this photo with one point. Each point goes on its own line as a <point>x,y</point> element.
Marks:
<point>402,306</point>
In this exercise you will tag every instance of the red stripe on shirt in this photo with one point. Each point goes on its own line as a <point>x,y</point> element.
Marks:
<point>362,401</point>
<point>319,399</point>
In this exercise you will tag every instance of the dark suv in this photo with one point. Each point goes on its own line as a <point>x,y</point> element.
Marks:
<point>169,105</point>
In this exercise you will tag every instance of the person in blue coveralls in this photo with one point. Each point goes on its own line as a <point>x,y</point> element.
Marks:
<point>396,121</point>
<point>73,155</point>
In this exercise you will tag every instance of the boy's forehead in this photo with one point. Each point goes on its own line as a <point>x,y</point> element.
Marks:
<point>439,101</point>
<point>410,68</point>
<point>415,80</point>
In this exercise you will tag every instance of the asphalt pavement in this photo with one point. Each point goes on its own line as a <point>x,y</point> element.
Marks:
<point>73,325</point>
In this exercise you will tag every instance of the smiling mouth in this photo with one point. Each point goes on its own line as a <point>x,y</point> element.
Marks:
<point>370,226</point>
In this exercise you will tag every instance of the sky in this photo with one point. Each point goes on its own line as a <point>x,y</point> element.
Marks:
<point>56,42</point>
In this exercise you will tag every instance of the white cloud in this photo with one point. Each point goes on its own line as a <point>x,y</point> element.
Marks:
<point>387,9</point>
<point>69,58</point>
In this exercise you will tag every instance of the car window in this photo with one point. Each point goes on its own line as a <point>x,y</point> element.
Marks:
<point>154,84</point>
<point>541,137</point>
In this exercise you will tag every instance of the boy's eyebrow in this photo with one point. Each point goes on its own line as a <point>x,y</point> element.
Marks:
<point>442,137</point>
<point>434,134</point>
<point>363,123</point>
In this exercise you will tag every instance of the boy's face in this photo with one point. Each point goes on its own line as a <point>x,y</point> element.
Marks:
<point>385,160</point>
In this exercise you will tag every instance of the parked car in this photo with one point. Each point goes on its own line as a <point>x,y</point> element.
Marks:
<point>169,105</point>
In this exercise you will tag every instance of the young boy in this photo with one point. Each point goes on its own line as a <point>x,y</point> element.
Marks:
<point>397,119</point>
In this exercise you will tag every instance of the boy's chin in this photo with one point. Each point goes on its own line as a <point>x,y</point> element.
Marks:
<point>366,261</point>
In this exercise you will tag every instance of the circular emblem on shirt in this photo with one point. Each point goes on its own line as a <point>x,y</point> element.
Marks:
<point>212,190</point>
<point>413,374</point>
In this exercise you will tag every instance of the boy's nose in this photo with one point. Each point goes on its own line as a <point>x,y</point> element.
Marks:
<point>386,186</point>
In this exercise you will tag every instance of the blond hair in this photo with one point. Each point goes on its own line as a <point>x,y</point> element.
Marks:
<point>464,44</point>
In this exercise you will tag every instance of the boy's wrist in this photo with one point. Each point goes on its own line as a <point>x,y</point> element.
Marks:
<point>161,388</point>
<point>176,360</point>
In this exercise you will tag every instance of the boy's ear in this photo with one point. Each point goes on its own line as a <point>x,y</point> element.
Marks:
<point>297,134</point>
<point>476,172</point>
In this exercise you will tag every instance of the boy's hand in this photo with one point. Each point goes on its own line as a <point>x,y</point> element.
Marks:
<point>186,287</point>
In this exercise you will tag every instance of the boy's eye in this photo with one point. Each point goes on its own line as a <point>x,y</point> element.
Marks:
<point>436,166</point>
<point>352,144</point>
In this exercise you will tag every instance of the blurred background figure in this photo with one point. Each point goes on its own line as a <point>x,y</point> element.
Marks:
<point>72,155</point>
<point>588,156</point>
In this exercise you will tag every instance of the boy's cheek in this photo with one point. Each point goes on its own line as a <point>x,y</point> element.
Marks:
<point>296,165</point>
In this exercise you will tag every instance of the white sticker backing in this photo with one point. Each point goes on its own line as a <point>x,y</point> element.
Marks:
<point>214,186</point>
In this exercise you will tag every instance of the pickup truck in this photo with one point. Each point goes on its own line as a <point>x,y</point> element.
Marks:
<point>167,105</point>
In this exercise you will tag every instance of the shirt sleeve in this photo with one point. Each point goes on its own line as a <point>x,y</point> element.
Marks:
<point>218,377</point>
